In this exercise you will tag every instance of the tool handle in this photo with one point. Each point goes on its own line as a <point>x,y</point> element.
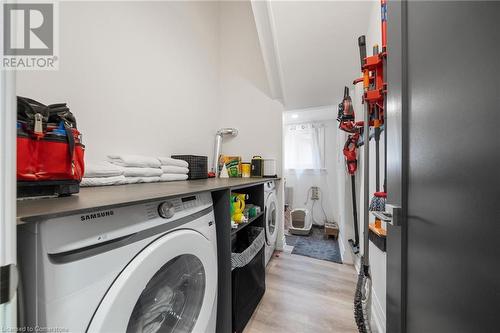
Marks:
<point>366,183</point>
<point>362,49</point>
<point>377,159</point>
<point>383,14</point>
<point>366,79</point>
<point>354,211</point>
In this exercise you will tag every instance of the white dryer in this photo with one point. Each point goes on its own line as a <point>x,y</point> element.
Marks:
<point>270,217</point>
<point>148,267</point>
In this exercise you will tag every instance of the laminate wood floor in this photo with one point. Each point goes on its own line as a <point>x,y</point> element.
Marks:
<point>305,295</point>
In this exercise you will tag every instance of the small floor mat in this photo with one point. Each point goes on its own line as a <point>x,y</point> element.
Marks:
<point>316,246</point>
<point>290,239</point>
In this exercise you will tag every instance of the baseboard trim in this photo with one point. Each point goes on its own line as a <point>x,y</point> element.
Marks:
<point>378,313</point>
<point>342,247</point>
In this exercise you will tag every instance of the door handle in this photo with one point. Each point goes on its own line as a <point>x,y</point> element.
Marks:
<point>392,215</point>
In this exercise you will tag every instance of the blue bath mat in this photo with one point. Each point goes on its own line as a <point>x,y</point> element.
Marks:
<point>317,246</point>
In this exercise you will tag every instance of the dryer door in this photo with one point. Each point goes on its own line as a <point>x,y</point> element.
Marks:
<point>271,227</point>
<point>170,286</point>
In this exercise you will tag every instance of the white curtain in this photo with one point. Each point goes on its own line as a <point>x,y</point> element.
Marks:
<point>305,146</point>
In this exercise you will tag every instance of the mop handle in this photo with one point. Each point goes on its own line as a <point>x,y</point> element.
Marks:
<point>366,182</point>
<point>383,14</point>
<point>377,137</point>
<point>354,210</point>
<point>377,159</point>
<point>366,149</point>
<point>362,50</point>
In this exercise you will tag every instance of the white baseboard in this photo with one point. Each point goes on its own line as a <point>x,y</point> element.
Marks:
<point>342,247</point>
<point>378,313</point>
<point>348,257</point>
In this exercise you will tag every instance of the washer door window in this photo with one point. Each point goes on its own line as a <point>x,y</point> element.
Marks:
<point>172,300</point>
<point>271,219</point>
<point>169,286</point>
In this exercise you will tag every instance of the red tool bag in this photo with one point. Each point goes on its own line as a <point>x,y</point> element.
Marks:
<point>49,150</point>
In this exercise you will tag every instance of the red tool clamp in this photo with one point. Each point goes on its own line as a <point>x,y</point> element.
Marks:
<point>373,79</point>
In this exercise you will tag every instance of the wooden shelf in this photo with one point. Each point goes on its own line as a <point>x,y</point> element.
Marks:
<point>243,225</point>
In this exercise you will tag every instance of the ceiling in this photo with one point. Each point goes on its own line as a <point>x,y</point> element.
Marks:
<point>315,48</point>
<point>310,115</point>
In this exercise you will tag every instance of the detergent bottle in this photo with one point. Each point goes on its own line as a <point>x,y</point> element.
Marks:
<point>237,207</point>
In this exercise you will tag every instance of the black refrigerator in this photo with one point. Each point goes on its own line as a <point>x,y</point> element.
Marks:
<point>443,127</point>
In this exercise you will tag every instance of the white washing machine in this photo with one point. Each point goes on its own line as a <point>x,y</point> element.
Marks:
<point>270,217</point>
<point>148,267</point>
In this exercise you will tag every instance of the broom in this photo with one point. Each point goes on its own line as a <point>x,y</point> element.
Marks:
<point>378,200</point>
<point>363,288</point>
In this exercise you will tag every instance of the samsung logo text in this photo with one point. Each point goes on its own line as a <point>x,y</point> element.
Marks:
<point>96,215</point>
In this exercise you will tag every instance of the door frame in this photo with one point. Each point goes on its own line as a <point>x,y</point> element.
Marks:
<point>8,268</point>
<point>397,164</point>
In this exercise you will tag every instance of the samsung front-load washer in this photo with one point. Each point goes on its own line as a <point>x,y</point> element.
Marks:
<point>148,267</point>
<point>270,213</point>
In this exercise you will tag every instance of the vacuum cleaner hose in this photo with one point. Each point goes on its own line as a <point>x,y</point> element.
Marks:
<point>218,142</point>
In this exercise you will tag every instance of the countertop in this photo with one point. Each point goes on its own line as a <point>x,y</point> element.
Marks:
<point>93,198</point>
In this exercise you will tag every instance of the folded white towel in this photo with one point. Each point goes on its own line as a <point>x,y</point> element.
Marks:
<point>103,181</point>
<point>174,169</point>
<point>136,180</point>
<point>141,172</point>
<point>101,169</point>
<point>135,161</point>
<point>169,177</point>
<point>173,161</point>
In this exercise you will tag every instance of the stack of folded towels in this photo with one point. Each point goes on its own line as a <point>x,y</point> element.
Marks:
<point>173,169</point>
<point>137,168</point>
<point>132,169</point>
<point>102,173</point>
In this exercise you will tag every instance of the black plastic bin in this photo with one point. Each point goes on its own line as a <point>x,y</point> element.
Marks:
<point>248,275</point>
<point>198,165</point>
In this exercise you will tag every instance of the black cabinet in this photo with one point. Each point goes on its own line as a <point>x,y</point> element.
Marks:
<point>240,291</point>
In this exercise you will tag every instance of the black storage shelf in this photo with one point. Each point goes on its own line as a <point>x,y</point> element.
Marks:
<point>243,225</point>
<point>227,241</point>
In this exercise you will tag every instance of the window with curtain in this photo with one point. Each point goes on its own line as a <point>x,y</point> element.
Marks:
<point>305,146</point>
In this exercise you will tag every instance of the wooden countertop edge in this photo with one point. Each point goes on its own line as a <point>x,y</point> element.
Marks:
<point>36,210</point>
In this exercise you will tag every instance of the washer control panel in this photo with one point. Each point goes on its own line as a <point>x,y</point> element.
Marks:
<point>168,208</point>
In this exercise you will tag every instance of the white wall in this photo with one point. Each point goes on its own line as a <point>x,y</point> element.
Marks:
<point>165,83</point>
<point>244,91</point>
<point>140,77</point>
<point>326,180</point>
<point>244,94</point>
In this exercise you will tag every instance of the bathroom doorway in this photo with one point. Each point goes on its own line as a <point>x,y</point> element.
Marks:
<point>311,184</point>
